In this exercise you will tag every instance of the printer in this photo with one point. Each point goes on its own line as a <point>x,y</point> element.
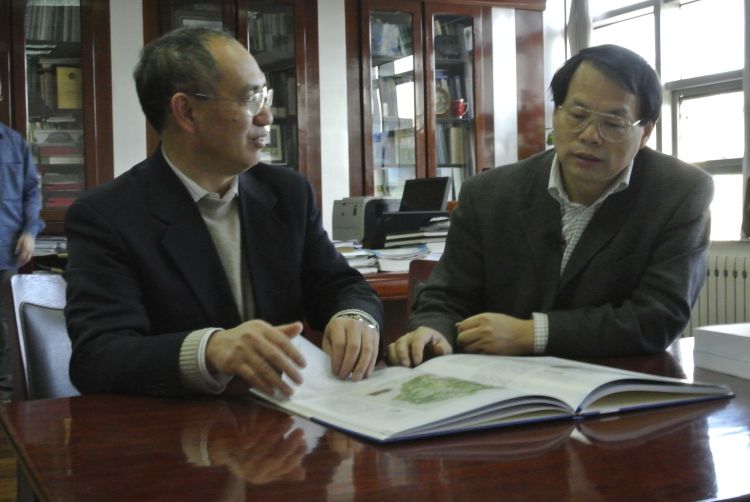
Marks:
<point>355,218</point>
<point>370,219</point>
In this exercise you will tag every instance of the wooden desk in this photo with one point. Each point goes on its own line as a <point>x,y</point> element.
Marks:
<point>130,448</point>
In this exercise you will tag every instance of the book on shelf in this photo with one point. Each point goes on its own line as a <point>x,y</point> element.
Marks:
<point>46,149</point>
<point>61,159</point>
<point>58,202</point>
<point>69,88</point>
<point>462,392</point>
<point>457,145</point>
<point>62,182</point>
<point>50,245</point>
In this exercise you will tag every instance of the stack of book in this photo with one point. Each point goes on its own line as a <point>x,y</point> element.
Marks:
<point>362,259</point>
<point>724,348</point>
<point>432,235</point>
<point>60,161</point>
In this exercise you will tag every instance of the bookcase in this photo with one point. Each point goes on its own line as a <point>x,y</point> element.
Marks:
<point>56,77</point>
<point>282,36</point>
<point>420,89</point>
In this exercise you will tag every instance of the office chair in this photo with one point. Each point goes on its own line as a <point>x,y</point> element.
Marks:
<point>419,272</point>
<point>39,344</point>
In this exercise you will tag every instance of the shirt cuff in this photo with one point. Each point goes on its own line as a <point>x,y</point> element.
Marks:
<point>193,370</point>
<point>541,332</point>
<point>364,314</point>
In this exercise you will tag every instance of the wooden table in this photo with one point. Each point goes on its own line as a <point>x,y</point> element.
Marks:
<point>129,448</point>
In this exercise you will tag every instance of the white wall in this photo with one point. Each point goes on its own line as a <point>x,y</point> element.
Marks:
<point>334,131</point>
<point>128,122</point>
<point>504,87</point>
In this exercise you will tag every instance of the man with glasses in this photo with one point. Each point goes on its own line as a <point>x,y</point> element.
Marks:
<point>192,272</point>
<point>20,202</point>
<point>596,247</point>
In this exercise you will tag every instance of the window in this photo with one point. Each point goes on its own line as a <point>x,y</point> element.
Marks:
<point>697,46</point>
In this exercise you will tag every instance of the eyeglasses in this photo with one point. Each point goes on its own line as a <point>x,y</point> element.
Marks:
<point>612,128</point>
<point>253,103</point>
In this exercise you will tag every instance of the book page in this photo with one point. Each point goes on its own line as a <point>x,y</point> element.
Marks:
<point>578,384</point>
<point>397,400</point>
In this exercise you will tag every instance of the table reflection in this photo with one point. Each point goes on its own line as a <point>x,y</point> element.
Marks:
<point>259,451</point>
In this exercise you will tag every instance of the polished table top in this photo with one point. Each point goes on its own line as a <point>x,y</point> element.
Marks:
<point>131,448</point>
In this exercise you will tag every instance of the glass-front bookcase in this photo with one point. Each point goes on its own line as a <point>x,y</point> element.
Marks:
<point>271,40</point>
<point>55,105</point>
<point>453,87</point>
<point>422,94</point>
<point>58,95</point>
<point>395,100</point>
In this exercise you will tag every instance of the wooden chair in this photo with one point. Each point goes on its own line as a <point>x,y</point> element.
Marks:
<point>419,272</point>
<point>39,344</point>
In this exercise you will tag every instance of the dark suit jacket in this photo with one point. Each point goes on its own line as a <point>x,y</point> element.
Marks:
<point>143,272</point>
<point>629,285</point>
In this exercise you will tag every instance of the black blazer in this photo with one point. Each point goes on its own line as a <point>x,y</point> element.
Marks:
<point>629,285</point>
<point>143,272</point>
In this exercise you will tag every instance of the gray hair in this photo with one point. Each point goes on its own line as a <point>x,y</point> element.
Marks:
<point>178,61</point>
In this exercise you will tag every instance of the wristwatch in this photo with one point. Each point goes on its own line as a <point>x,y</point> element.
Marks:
<point>361,318</point>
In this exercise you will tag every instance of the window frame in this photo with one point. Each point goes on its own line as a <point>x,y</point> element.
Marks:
<point>666,129</point>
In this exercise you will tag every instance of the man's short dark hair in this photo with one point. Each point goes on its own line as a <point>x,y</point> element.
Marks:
<point>623,66</point>
<point>178,61</point>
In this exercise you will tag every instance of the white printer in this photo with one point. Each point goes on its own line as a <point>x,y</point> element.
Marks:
<point>356,217</point>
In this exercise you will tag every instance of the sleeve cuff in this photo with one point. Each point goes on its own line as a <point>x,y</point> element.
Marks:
<point>195,375</point>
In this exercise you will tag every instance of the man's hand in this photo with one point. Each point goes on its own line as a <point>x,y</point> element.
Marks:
<point>352,346</point>
<point>258,353</point>
<point>24,249</point>
<point>500,334</point>
<point>410,349</point>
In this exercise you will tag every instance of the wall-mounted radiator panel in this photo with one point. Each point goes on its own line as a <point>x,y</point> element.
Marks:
<point>725,296</point>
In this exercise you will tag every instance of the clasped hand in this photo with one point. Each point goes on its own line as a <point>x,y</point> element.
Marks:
<point>485,333</point>
<point>260,353</point>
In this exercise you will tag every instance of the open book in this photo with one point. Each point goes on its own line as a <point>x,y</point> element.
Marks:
<point>468,391</point>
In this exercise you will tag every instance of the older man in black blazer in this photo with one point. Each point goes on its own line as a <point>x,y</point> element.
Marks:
<point>596,247</point>
<point>197,266</point>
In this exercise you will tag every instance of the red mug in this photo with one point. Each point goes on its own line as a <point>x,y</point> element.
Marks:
<point>458,108</point>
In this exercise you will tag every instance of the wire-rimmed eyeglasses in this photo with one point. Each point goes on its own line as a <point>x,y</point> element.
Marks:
<point>612,128</point>
<point>253,103</point>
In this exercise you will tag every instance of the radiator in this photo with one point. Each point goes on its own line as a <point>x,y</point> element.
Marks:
<point>725,295</point>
